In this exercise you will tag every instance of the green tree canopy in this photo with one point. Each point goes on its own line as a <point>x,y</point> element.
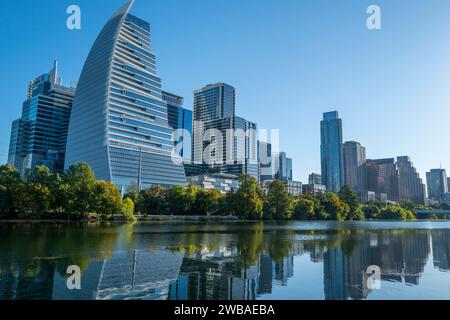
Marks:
<point>333,206</point>
<point>279,201</point>
<point>80,182</point>
<point>350,198</point>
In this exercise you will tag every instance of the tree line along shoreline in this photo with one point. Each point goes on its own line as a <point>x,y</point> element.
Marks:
<point>77,195</point>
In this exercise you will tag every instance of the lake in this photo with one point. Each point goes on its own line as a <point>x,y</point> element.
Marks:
<point>226,260</point>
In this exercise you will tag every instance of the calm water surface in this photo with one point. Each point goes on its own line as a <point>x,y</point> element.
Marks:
<point>226,261</point>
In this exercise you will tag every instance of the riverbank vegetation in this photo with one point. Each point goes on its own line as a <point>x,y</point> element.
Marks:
<point>76,194</point>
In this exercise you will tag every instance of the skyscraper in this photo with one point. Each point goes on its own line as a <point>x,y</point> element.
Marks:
<point>179,119</point>
<point>39,136</point>
<point>221,140</point>
<point>332,160</point>
<point>284,165</point>
<point>383,178</point>
<point>436,183</point>
<point>410,183</point>
<point>119,124</point>
<point>355,166</point>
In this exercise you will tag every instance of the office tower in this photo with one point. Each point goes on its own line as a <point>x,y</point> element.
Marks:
<point>179,119</point>
<point>119,124</point>
<point>39,136</point>
<point>265,161</point>
<point>315,178</point>
<point>284,166</point>
<point>436,183</point>
<point>410,183</point>
<point>221,140</point>
<point>355,166</point>
<point>332,160</point>
<point>383,178</point>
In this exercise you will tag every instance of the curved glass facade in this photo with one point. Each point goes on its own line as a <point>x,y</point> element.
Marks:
<point>119,123</point>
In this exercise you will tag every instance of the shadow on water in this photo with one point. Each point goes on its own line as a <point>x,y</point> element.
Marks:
<point>226,261</point>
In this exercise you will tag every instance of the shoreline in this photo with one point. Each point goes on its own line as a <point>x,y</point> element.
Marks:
<point>199,219</point>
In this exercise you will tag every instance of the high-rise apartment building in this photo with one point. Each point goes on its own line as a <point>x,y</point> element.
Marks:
<point>221,140</point>
<point>383,178</point>
<point>119,123</point>
<point>411,186</point>
<point>180,119</point>
<point>355,166</point>
<point>39,137</point>
<point>332,160</point>
<point>436,184</point>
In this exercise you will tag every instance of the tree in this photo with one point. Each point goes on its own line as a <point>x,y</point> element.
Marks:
<point>128,209</point>
<point>333,206</point>
<point>176,201</point>
<point>80,182</point>
<point>279,201</point>
<point>350,198</point>
<point>132,192</point>
<point>11,181</point>
<point>214,199</point>
<point>152,201</point>
<point>407,204</point>
<point>304,209</point>
<point>246,202</point>
<point>38,188</point>
<point>371,211</point>
<point>202,203</point>
<point>395,212</point>
<point>107,199</point>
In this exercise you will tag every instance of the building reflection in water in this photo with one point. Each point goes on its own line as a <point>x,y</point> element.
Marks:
<point>236,270</point>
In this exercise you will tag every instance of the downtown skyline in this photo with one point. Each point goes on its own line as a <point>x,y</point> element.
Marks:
<point>299,134</point>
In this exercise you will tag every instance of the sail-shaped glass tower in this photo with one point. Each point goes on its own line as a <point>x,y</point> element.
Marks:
<point>119,121</point>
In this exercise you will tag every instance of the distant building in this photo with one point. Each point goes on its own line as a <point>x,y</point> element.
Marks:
<point>446,199</point>
<point>284,166</point>
<point>292,187</point>
<point>436,184</point>
<point>265,161</point>
<point>383,178</point>
<point>355,167</point>
<point>332,160</point>
<point>179,119</point>
<point>314,189</point>
<point>39,137</point>
<point>411,186</point>
<point>315,178</point>
<point>222,182</point>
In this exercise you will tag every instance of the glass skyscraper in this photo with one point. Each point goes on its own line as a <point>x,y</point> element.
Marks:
<point>119,123</point>
<point>39,136</point>
<point>284,166</point>
<point>436,184</point>
<point>332,160</point>
<point>180,119</point>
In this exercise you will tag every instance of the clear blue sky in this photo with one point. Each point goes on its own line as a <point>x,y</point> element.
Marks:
<point>290,60</point>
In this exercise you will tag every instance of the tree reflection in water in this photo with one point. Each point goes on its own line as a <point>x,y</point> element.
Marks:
<point>209,261</point>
